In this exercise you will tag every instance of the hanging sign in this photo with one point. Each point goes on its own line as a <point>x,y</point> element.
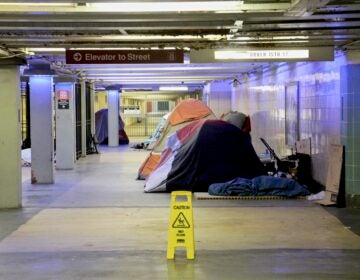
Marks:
<point>262,55</point>
<point>63,99</point>
<point>123,56</point>
<point>181,227</point>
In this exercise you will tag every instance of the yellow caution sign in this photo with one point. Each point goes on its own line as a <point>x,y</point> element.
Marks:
<point>181,227</point>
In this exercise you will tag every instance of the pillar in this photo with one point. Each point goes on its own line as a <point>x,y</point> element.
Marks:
<point>83,118</point>
<point>65,125</point>
<point>42,129</point>
<point>350,130</point>
<point>113,117</point>
<point>10,139</point>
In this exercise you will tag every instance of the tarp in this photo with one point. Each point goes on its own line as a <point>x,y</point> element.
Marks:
<point>259,186</point>
<point>203,153</point>
<point>101,128</point>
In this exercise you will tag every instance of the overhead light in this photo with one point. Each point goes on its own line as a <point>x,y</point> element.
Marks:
<point>131,6</point>
<point>27,50</point>
<point>242,38</point>
<point>336,19</point>
<point>136,89</point>
<point>181,6</point>
<point>152,82</point>
<point>38,4</point>
<point>173,88</point>
<point>295,37</point>
<point>261,54</point>
<point>267,38</point>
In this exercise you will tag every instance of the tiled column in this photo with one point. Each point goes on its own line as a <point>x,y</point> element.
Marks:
<point>42,129</point>
<point>350,89</point>
<point>65,125</point>
<point>113,117</point>
<point>10,164</point>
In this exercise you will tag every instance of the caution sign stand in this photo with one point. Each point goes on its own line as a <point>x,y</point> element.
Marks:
<point>181,227</point>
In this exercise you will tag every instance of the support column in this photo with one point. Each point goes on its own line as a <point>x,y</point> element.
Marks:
<point>10,140</point>
<point>42,129</point>
<point>92,107</point>
<point>350,130</point>
<point>65,125</point>
<point>113,117</point>
<point>83,118</point>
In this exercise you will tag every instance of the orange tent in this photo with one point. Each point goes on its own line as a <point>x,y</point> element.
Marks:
<point>185,112</point>
<point>188,110</point>
<point>148,165</point>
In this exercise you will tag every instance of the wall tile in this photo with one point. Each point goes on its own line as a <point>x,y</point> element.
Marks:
<point>329,110</point>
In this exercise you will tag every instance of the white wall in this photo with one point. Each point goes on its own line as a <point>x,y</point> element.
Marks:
<point>263,98</point>
<point>217,96</point>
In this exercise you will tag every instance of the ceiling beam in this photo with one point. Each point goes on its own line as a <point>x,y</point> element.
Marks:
<point>133,17</point>
<point>301,25</point>
<point>117,25</point>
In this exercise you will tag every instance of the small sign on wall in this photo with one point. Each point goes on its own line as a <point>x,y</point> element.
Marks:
<point>63,99</point>
<point>291,113</point>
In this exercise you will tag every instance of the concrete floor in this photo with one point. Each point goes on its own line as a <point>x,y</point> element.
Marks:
<point>96,223</point>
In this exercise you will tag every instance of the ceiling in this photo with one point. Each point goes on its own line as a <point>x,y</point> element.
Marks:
<point>43,30</point>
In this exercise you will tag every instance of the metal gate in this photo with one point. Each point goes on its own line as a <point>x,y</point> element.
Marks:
<point>142,111</point>
<point>78,119</point>
<point>88,118</point>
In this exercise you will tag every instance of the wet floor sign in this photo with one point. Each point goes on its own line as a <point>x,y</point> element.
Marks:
<point>181,227</point>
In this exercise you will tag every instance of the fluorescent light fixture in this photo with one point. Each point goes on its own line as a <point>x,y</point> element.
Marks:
<point>268,38</point>
<point>296,37</point>
<point>128,7</point>
<point>38,4</point>
<point>261,54</point>
<point>44,50</point>
<point>153,82</point>
<point>169,79</point>
<point>173,88</point>
<point>181,6</point>
<point>233,38</point>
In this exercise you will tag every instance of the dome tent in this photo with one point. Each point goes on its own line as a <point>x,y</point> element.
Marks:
<point>203,153</point>
<point>101,128</point>
<point>185,112</point>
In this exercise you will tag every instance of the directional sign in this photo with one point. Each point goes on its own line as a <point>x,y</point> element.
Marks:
<point>123,56</point>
